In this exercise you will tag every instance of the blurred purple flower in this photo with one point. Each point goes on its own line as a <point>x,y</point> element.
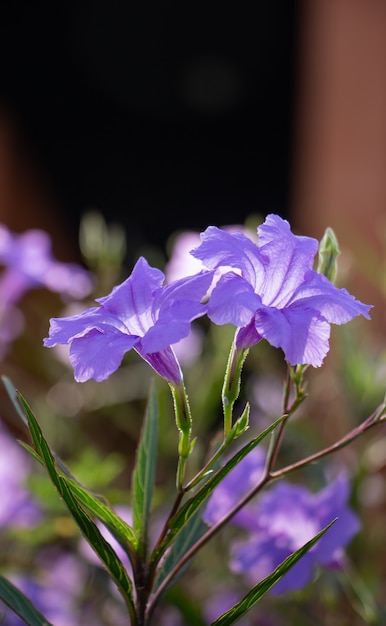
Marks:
<point>282,520</point>
<point>29,264</point>
<point>273,292</point>
<point>54,589</point>
<point>17,506</point>
<point>140,313</point>
<point>220,602</point>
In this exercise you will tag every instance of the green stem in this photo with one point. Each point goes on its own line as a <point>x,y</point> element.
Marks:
<point>231,386</point>
<point>379,416</point>
<point>184,424</point>
<point>294,379</point>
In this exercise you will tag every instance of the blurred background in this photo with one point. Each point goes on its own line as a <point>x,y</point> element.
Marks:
<point>164,117</point>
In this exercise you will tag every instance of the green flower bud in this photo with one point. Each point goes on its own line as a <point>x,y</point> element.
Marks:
<point>328,255</point>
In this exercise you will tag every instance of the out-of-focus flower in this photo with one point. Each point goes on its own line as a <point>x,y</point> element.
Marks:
<point>54,590</point>
<point>28,263</point>
<point>181,262</point>
<point>273,292</point>
<point>222,601</point>
<point>282,520</point>
<point>140,313</point>
<point>17,507</point>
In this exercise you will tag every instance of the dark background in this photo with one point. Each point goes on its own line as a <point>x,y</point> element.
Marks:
<point>162,115</point>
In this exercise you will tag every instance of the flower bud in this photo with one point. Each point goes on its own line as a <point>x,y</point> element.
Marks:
<point>328,255</point>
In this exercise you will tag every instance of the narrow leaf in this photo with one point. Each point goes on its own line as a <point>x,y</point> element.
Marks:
<point>86,525</point>
<point>144,471</point>
<point>190,507</point>
<point>191,533</point>
<point>20,604</point>
<point>254,595</point>
<point>95,505</point>
<point>14,397</point>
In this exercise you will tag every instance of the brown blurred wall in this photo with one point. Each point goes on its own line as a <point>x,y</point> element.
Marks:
<point>339,176</point>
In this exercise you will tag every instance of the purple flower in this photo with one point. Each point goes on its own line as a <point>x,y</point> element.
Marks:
<point>29,264</point>
<point>54,589</point>
<point>140,313</point>
<point>282,520</point>
<point>273,292</point>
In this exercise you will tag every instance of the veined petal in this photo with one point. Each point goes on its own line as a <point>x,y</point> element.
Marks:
<point>165,363</point>
<point>132,301</point>
<point>165,332</point>
<point>219,248</point>
<point>189,288</point>
<point>98,354</point>
<point>301,333</point>
<point>338,306</point>
<point>233,301</point>
<point>247,336</point>
<point>290,258</point>
<point>63,329</point>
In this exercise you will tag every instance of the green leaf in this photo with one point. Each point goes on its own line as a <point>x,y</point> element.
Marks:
<point>14,397</point>
<point>144,471</point>
<point>191,533</point>
<point>254,595</point>
<point>190,507</point>
<point>20,604</point>
<point>86,525</point>
<point>95,505</point>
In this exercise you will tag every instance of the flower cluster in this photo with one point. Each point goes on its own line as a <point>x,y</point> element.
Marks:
<point>283,519</point>
<point>267,290</point>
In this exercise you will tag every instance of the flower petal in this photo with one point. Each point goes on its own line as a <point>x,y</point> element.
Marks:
<point>98,354</point>
<point>233,301</point>
<point>165,363</point>
<point>64,329</point>
<point>132,300</point>
<point>338,306</point>
<point>301,333</point>
<point>219,248</point>
<point>290,257</point>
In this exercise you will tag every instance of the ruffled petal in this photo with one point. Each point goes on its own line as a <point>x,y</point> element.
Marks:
<point>64,329</point>
<point>338,306</point>
<point>233,301</point>
<point>289,257</point>
<point>219,248</point>
<point>98,354</point>
<point>132,300</point>
<point>301,333</point>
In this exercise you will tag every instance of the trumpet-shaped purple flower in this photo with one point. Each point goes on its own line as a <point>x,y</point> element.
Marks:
<point>140,313</point>
<point>273,292</point>
<point>282,520</point>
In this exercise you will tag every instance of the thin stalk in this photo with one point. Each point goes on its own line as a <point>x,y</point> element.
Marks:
<point>377,417</point>
<point>288,409</point>
<point>203,540</point>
